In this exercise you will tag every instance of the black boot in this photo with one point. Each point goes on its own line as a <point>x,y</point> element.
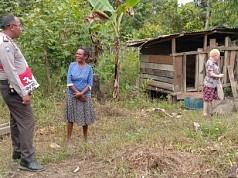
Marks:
<point>16,155</point>
<point>31,166</point>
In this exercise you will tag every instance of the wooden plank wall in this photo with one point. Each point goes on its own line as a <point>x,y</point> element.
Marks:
<point>158,70</point>
<point>236,65</point>
<point>178,73</point>
<point>168,73</point>
<point>201,70</point>
<point>184,72</point>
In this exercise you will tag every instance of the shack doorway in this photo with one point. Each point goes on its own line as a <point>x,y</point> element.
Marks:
<point>190,72</point>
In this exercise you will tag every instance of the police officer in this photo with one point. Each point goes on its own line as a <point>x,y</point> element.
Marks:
<point>16,94</point>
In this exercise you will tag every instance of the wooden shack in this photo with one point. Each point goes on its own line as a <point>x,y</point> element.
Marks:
<point>175,63</point>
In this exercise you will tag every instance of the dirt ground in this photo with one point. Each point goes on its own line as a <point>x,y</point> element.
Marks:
<point>143,159</point>
<point>68,168</point>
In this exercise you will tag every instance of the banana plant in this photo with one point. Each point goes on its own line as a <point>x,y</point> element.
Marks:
<point>102,6</point>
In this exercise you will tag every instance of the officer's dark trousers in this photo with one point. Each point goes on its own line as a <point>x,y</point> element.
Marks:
<point>21,124</point>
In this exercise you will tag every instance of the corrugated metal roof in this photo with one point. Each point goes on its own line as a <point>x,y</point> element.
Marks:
<point>142,42</point>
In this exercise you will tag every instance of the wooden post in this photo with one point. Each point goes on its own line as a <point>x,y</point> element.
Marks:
<point>4,129</point>
<point>173,46</point>
<point>236,69</point>
<point>196,86</point>
<point>201,70</point>
<point>205,42</point>
<point>172,99</point>
<point>232,80</point>
<point>184,72</point>
<point>178,73</point>
<point>226,59</point>
<point>212,43</point>
<point>232,59</point>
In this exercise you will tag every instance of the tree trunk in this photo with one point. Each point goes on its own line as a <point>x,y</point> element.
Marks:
<point>96,91</point>
<point>208,14</point>
<point>97,49</point>
<point>117,69</point>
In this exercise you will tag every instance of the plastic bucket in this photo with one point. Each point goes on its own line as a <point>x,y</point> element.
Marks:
<point>193,103</point>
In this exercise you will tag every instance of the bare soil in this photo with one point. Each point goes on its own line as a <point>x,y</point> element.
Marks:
<point>143,159</point>
<point>67,168</point>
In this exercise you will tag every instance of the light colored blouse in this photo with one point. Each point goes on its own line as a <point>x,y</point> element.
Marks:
<point>210,81</point>
<point>14,68</point>
<point>80,77</point>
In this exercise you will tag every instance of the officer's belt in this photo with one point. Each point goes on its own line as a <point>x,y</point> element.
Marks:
<point>4,82</point>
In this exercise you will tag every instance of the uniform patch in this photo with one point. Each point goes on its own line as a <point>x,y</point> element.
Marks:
<point>8,49</point>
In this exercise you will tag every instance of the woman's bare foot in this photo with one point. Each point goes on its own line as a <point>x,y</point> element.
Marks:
<point>70,144</point>
<point>204,114</point>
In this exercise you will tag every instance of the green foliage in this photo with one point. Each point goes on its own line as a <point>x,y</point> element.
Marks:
<point>169,17</point>
<point>7,7</point>
<point>227,91</point>
<point>145,21</point>
<point>191,18</point>
<point>157,18</point>
<point>115,19</point>
<point>224,14</point>
<point>52,33</point>
<point>149,31</point>
<point>105,67</point>
<point>50,38</point>
<point>131,3</point>
<point>102,5</point>
<point>213,130</point>
<point>129,72</point>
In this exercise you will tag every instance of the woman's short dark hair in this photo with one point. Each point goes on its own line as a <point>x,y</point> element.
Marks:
<point>7,20</point>
<point>86,52</point>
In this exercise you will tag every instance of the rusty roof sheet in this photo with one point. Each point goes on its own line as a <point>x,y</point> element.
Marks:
<point>142,42</point>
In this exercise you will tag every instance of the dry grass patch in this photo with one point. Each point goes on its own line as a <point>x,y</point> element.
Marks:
<point>166,163</point>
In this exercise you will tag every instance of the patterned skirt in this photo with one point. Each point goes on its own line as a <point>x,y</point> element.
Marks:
<point>209,94</point>
<point>81,113</point>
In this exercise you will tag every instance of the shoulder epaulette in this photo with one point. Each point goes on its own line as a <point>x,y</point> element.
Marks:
<point>5,39</point>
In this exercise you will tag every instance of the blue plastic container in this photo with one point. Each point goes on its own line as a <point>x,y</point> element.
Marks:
<point>193,103</point>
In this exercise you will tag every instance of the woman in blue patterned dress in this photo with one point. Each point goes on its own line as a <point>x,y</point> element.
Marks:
<point>210,82</point>
<point>79,107</point>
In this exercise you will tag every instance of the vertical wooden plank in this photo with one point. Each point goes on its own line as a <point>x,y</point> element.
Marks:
<point>205,42</point>
<point>226,59</point>
<point>212,43</point>
<point>196,86</point>
<point>172,99</point>
<point>219,62</point>
<point>201,70</point>
<point>232,59</point>
<point>221,65</point>
<point>232,80</point>
<point>184,72</point>
<point>224,71</point>
<point>177,61</point>
<point>236,65</point>
<point>236,69</point>
<point>173,46</point>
